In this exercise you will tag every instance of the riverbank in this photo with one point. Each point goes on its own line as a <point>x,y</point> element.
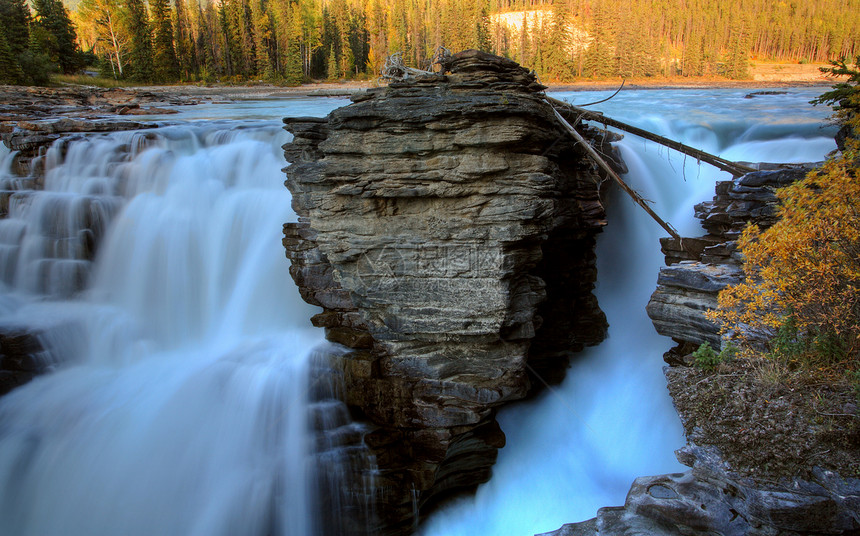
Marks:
<point>763,75</point>
<point>342,89</point>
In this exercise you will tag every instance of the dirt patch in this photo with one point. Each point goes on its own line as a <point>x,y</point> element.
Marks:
<point>766,429</point>
<point>789,72</point>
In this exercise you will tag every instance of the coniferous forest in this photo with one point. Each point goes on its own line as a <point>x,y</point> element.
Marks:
<point>291,41</point>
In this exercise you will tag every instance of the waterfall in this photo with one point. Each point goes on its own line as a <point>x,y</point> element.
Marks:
<point>187,394</point>
<point>578,447</point>
<point>151,276</point>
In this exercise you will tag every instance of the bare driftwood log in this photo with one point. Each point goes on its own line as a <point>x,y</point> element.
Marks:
<point>395,69</point>
<point>726,165</point>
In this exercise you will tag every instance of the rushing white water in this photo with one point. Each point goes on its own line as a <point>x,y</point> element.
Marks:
<point>153,271</point>
<point>179,401</point>
<point>579,447</point>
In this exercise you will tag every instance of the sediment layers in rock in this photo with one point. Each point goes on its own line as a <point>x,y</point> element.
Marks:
<point>446,227</point>
<point>698,268</point>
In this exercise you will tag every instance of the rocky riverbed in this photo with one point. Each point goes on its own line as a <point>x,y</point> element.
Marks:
<point>33,118</point>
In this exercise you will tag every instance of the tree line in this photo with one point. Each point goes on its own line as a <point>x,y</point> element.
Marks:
<point>31,46</point>
<point>291,41</point>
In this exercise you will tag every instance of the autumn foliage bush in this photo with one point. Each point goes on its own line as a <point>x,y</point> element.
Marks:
<point>801,286</point>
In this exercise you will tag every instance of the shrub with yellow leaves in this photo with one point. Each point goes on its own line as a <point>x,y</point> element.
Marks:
<point>801,284</point>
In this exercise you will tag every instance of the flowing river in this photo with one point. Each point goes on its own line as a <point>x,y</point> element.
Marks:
<point>179,351</point>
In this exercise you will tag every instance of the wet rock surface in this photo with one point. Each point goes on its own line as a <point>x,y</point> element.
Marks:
<point>32,118</point>
<point>26,353</point>
<point>20,357</point>
<point>446,227</point>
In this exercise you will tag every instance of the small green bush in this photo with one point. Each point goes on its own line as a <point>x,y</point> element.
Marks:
<point>787,343</point>
<point>706,358</point>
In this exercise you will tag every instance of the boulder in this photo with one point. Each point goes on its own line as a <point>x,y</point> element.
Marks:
<point>710,499</point>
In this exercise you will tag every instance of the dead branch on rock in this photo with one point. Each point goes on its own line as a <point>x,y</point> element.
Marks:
<point>395,69</point>
<point>441,57</point>
<point>617,91</point>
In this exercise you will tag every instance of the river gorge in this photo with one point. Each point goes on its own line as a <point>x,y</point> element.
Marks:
<point>171,381</point>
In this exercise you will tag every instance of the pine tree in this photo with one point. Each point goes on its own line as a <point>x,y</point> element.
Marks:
<point>140,55</point>
<point>693,63</point>
<point>600,56</point>
<point>333,70</point>
<point>165,64</point>
<point>293,74</point>
<point>183,43</point>
<point>557,60</point>
<point>524,56</point>
<point>246,34</point>
<point>57,39</point>
<point>15,20</point>
<point>482,32</point>
<point>10,69</point>
<point>230,38</point>
<point>737,63</point>
<point>205,44</point>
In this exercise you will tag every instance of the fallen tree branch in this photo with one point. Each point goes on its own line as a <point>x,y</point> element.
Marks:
<point>395,69</point>
<point>617,91</point>
<point>726,165</point>
<point>602,163</point>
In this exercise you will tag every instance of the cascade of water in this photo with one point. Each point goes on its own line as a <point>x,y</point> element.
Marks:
<point>6,157</point>
<point>180,399</point>
<point>579,447</point>
<point>346,472</point>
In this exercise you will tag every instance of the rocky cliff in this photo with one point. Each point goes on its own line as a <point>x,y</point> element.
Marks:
<point>446,228</point>
<point>698,268</point>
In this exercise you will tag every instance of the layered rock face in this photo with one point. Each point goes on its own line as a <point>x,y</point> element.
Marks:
<point>446,227</point>
<point>701,267</point>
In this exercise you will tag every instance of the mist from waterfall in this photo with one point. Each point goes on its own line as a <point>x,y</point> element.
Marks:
<point>179,350</point>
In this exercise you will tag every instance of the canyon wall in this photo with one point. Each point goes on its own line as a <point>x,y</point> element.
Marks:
<point>766,457</point>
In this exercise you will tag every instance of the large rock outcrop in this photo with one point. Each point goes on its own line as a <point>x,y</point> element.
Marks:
<point>709,499</point>
<point>699,268</point>
<point>446,227</point>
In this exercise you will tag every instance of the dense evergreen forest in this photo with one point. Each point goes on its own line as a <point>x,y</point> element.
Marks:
<point>290,41</point>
